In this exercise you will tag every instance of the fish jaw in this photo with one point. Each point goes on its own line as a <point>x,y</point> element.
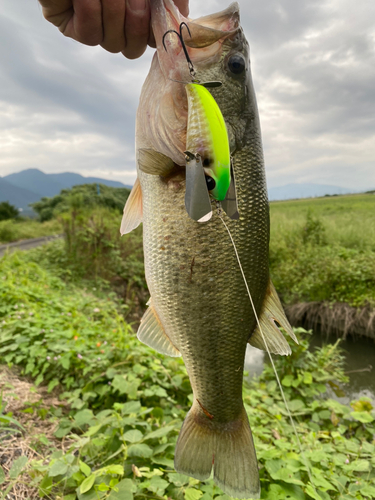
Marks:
<point>163,110</point>
<point>166,17</point>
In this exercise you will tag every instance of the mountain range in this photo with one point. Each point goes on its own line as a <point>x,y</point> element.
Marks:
<point>32,184</point>
<point>306,190</point>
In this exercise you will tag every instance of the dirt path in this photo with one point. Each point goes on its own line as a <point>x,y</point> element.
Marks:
<point>33,437</point>
<point>27,244</point>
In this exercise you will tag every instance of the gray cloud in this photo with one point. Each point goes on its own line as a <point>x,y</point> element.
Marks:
<point>65,106</point>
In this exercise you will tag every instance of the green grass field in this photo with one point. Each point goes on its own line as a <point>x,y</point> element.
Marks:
<point>323,249</point>
<point>24,229</point>
<point>349,220</point>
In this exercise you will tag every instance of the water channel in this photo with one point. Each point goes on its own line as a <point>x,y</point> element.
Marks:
<point>360,365</point>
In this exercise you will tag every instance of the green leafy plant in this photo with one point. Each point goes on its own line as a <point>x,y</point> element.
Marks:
<point>125,409</point>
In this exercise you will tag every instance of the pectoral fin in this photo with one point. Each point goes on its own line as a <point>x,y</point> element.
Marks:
<point>154,163</point>
<point>151,332</point>
<point>229,204</point>
<point>197,199</point>
<point>272,312</point>
<point>132,216</point>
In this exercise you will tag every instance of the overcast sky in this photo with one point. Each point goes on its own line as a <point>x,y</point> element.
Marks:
<point>68,107</point>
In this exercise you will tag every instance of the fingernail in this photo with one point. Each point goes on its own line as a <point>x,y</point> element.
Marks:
<point>138,5</point>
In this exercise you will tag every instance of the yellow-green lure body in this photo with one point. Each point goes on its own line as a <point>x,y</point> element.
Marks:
<point>207,136</point>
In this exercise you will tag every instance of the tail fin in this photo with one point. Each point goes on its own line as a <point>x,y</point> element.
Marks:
<point>228,448</point>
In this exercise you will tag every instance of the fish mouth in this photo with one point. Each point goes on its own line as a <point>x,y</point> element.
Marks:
<point>202,37</point>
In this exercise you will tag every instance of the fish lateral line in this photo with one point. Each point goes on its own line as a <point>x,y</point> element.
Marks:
<point>206,412</point>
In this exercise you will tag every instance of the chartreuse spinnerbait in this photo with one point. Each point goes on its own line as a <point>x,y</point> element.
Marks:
<point>208,160</point>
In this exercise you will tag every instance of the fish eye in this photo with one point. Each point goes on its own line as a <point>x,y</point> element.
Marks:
<point>210,183</point>
<point>236,64</point>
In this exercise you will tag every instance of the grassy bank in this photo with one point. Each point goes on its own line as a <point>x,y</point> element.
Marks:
<point>324,249</point>
<point>123,405</point>
<point>24,229</point>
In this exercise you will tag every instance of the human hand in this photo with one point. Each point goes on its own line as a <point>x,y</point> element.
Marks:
<point>116,25</point>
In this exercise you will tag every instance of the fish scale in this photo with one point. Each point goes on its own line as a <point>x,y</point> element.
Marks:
<point>203,307</point>
<point>199,307</point>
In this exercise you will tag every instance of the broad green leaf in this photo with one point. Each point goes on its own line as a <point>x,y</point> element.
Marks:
<point>168,462</point>
<point>286,475</point>
<point>139,450</point>
<point>125,488</point>
<point>307,378</point>
<point>85,468</point>
<point>131,407</point>
<point>158,485</point>
<point>296,405</point>
<point>83,417</point>
<point>59,468</point>
<point>359,466</point>
<point>362,416</point>
<point>45,486</point>
<point>87,484</point>
<point>178,479</point>
<point>287,380</point>
<point>133,436</point>
<point>163,431</point>
<point>115,469</point>
<point>312,492</point>
<point>368,491</point>
<point>192,494</point>
<point>17,467</point>
<point>320,481</point>
<point>103,487</point>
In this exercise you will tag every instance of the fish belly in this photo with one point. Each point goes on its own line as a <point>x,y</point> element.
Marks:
<point>196,285</point>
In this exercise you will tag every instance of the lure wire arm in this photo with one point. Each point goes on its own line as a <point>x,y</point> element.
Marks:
<point>189,61</point>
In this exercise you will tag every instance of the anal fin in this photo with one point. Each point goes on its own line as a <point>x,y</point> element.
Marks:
<point>151,332</point>
<point>132,216</point>
<point>272,313</point>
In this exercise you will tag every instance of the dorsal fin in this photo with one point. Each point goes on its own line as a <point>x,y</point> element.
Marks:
<point>272,312</point>
<point>151,332</point>
<point>154,163</point>
<point>132,216</point>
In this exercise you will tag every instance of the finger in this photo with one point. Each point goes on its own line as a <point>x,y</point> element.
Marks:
<point>183,6</point>
<point>78,19</point>
<point>137,27</point>
<point>151,39</point>
<point>113,25</point>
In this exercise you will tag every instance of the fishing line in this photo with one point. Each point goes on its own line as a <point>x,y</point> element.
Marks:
<point>268,351</point>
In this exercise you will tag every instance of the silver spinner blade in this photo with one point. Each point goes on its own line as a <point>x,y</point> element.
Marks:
<point>197,199</point>
<point>229,203</point>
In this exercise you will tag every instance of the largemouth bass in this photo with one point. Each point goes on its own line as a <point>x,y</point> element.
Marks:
<point>199,307</point>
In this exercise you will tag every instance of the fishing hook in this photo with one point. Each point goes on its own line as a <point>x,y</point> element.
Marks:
<point>189,61</point>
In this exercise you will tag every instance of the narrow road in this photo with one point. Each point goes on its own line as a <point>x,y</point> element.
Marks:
<point>27,244</point>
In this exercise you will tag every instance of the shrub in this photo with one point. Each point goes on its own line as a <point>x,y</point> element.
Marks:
<point>8,211</point>
<point>82,197</point>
